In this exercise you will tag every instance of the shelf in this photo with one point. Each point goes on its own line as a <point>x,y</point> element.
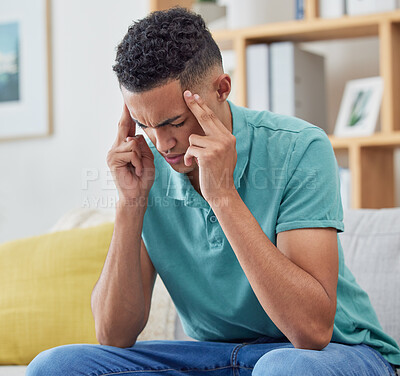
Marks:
<point>155,5</point>
<point>385,26</point>
<point>312,30</point>
<point>371,158</point>
<point>377,140</point>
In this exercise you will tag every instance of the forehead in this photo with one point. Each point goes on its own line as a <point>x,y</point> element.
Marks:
<point>156,105</point>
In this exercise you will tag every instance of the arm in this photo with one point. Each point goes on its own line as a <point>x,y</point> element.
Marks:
<point>122,295</point>
<point>295,281</point>
<point>121,298</point>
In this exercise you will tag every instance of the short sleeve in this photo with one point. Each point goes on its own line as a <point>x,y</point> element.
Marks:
<point>311,197</point>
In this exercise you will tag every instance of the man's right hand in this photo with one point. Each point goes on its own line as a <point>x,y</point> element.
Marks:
<point>131,161</point>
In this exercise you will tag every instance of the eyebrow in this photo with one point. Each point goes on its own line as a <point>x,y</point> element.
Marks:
<point>165,122</point>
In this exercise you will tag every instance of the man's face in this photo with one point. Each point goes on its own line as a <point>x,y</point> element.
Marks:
<point>165,118</point>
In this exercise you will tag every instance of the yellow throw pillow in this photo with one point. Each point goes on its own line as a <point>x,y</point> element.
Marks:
<point>45,287</point>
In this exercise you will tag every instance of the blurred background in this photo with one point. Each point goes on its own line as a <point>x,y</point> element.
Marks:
<point>43,178</point>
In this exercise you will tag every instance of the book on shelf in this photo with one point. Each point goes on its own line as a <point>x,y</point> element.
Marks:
<point>299,9</point>
<point>358,7</point>
<point>345,187</point>
<point>283,78</point>
<point>257,73</point>
<point>249,13</point>
<point>297,83</point>
<point>331,8</point>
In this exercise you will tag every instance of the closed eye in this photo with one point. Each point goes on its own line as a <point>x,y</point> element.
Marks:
<point>158,126</point>
<point>140,125</point>
<point>178,125</point>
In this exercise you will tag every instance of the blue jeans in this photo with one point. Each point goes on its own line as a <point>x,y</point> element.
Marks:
<point>173,358</point>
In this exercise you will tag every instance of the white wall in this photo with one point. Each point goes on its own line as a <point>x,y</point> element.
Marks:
<point>44,178</point>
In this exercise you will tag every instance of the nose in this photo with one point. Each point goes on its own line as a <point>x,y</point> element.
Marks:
<point>164,139</point>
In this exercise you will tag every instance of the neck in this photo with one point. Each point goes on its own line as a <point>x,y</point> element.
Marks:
<point>227,117</point>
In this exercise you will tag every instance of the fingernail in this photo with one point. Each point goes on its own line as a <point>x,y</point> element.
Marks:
<point>188,93</point>
<point>196,97</point>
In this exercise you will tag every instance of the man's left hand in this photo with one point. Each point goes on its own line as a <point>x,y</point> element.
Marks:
<point>215,152</point>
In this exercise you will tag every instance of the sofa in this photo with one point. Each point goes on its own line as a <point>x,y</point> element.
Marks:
<point>45,282</point>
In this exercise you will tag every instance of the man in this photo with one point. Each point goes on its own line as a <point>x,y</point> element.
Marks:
<point>238,212</point>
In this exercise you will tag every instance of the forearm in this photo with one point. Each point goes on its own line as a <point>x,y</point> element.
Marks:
<point>294,300</point>
<point>118,302</point>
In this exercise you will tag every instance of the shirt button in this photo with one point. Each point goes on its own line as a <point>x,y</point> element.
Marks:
<point>213,219</point>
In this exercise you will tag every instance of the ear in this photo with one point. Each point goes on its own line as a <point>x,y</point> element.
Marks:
<point>223,86</point>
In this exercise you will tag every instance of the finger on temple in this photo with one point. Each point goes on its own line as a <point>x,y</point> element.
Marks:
<point>202,117</point>
<point>127,127</point>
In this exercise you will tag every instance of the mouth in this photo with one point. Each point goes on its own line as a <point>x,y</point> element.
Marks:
<point>173,158</point>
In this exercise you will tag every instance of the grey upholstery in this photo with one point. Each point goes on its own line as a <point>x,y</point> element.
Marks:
<point>371,245</point>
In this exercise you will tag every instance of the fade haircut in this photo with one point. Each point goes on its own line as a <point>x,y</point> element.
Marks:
<point>166,45</point>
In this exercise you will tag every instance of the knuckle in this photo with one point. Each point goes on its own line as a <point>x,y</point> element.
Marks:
<point>133,161</point>
<point>230,142</point>
<point>192,138</point>
<point>211,115</point>
<point>132,144</point>
<point>192,101</point>
<point>204,116</point>
<point>219,149</point>
<point>134,147</point>
<point>134,156</point>
<point>110,158</point>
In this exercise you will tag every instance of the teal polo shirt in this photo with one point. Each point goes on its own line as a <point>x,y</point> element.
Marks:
<point>287,175</point>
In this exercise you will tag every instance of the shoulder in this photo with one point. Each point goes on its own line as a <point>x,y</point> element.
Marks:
<point>282,137</point>
<point>273,124</point>
<point>282,125</point>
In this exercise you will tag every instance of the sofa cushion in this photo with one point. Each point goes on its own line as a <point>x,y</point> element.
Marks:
<point>82,218</point>
<point>46,283</point>
<point>371,246</point>
<point>163,322</point>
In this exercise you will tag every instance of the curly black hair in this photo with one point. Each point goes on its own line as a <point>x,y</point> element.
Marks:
<point>166,45</point>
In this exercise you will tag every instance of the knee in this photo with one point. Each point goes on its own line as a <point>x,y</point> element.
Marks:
<point>288,362</point>
<point>62,360</point>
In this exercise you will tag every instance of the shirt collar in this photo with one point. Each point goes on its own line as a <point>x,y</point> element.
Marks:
<point>241,130</point>
<point>179,186</point>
